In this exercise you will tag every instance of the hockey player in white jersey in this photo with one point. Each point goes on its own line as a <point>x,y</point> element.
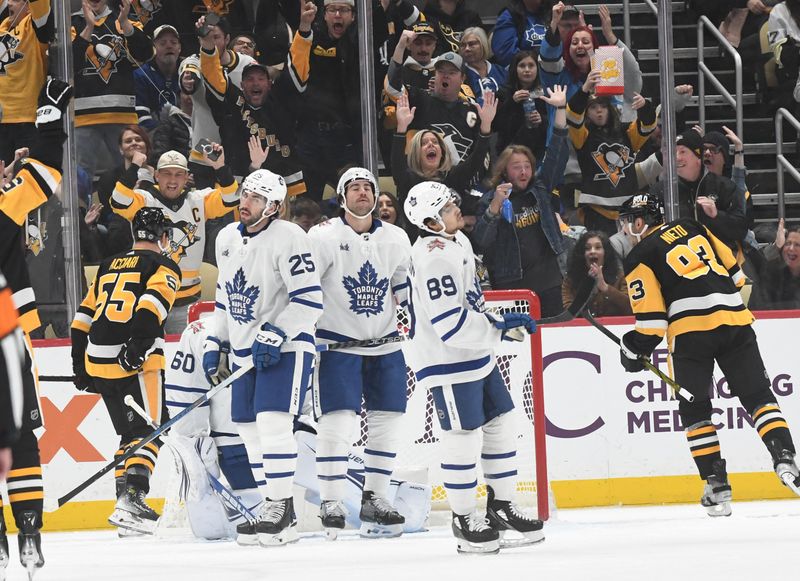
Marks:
<point>363,267</point>
<point>451,352</point>
<point>268,301</point>
<point>207,439</point>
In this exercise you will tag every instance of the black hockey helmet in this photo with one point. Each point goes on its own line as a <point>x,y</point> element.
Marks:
<point>649,206</point>
<point>149,224</point>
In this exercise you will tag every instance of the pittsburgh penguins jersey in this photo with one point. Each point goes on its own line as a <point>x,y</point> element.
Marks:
<point>267,277</point>
<point>608,157</point>
<point>104,65</point>
<point>188,214</point>
<point>452,337</point>
<point>30,188</point>
<point>681,278</point>
<point>130,297</point>
<point>364,277</point>
<point>23,61</point>
<point>186,381</point>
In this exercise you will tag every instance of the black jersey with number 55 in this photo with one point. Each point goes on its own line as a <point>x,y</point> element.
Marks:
<point>130,298</point>
<point>681,278</point>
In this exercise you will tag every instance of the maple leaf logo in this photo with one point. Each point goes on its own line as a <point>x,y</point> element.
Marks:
<point>367,292</point>
<point>475,297</point>
<point>241,298</point>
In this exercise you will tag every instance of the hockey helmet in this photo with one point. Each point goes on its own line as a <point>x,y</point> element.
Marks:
<point>149,224</point>
<point>270,186</point>
<point>425,201</point>
<point>648,206</point>
<point>348,177</point>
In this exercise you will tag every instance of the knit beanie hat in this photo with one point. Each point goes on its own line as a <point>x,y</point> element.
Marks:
<point>692,140</point>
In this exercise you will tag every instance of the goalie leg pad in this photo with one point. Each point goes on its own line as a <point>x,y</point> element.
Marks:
<point>335,434</point>
<point>279,452</point>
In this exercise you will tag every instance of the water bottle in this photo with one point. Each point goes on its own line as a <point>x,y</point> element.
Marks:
<point>529,106</point>
<point>507,211</point>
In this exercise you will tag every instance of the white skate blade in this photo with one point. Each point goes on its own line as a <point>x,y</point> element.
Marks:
<point>31,569</point>
<point>286,536</point>
<point>719,509</point>
<point>124,533</point>
<point>789,481</point>
<point>487,548</point>
<point>372,530</point>
<point>126,520</point>
<point>247,540</point>
<point>512,540</point>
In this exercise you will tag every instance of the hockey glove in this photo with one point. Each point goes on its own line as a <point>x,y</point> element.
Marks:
<point>267,346</point>
<point>215,360</point>
<point>632,362</point>
<point>82,380</point>
<point>513,321</point>
<point>133,353</point>
<point>53,101</point>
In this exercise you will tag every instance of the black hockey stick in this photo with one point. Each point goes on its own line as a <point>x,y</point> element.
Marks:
<point>582,297</point>
<point>51,505</point>
<point>663,376</point>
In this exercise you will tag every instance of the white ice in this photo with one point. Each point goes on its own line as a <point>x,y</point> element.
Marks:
<point>759,541</point>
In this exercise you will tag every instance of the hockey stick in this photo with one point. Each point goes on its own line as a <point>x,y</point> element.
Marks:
<point>663,376</point>
<point>226,494</point>
<point>582,297</point>
<point>52,505</point>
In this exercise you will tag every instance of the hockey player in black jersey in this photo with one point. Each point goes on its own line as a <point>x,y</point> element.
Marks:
<point>128,301</point>
<point>683,283</point>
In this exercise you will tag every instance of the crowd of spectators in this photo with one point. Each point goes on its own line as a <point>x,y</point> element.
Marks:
<point>276,85</point>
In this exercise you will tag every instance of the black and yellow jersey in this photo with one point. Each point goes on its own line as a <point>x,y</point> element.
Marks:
<point>129,298</point>
<point>681,278</point>
<point>30,188</point>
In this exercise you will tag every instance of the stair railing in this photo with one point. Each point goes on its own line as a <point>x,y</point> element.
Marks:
<point>782,162</point>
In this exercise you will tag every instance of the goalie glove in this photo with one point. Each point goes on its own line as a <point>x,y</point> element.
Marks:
<point>512,324</point>
<point>267,346</point>
<point>133,353</point>
<point>215,359</point>
<point>53,101</point>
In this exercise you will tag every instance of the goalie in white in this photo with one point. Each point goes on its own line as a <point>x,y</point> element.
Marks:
<point>268,301</point>
<point>451,352</point>
<point>363,267</point>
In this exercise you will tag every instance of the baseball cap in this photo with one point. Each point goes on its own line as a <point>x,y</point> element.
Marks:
<point>348,2</point>
<point>450,58</point>
<point>691,139</point>
<point>423,28</point>
<point>570,10</point>
<point>165,28</point>
<point>172,159</point>
<point>254,66</point>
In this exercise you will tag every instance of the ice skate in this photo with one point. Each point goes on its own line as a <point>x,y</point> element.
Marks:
<point>277,524</point>
<point>474,535</point>
<point>131,512</point>
<point>785,466</point>
<point>332,513</point>
<point>30,544</point>
<point>246,534</point>
<point>717,494</point>
<point>516,529</point>
<point>4,554</point>
<point>379,518</point>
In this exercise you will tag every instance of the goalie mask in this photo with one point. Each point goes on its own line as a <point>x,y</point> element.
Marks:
<point>269,186</point>
<point>649,207</point>
<point>351,175</point>
<point>425,201</point>
<point>149,225</point>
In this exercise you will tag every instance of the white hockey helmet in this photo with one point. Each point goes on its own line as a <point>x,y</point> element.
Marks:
<point>425,202</point>
<point>351,175</point>
<point>269,186</point>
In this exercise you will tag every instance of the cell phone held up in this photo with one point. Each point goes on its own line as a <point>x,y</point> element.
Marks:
<point>212,19</point>
<point>206,147</point>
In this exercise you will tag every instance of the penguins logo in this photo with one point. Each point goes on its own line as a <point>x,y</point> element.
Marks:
<point>105,54</point>
<point>458,144</point>
<point>182,237</point>
<point>219,7</point>
<point>8,52</point>
<point>612,160</point>
<point>37,234</point>
<point>145,9</point>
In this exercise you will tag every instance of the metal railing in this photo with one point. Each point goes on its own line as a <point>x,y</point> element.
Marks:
<point>781,161</point>
<point>704,72</point>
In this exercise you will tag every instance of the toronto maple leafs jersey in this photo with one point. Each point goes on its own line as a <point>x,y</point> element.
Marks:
<point>453,339</point>
<point>188,214</point>
<point>186,381</point>
<point>267,277</point>
<point>363,275</point>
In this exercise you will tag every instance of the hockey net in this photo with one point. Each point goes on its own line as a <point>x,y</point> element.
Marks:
<point>520,364</point>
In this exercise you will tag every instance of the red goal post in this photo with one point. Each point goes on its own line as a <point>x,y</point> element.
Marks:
<point>520,364</point>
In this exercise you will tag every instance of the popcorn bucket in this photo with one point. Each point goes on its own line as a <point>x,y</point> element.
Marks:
<point>608,60</point>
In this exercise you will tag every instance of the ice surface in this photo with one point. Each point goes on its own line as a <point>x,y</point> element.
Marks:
<point>760,541</point>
